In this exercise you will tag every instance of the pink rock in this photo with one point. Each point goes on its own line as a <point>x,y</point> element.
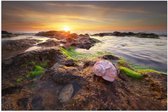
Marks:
<point>106,70</point>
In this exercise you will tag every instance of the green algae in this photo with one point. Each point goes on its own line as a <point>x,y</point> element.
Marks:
<point>71,53</point>
<point>130,72</point>
<point>37,71</point>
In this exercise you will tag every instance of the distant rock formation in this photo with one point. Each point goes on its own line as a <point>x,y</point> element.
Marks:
<point>71,39</point>
<point>57,34</point>
<point>140,35</point>
<point>6,34</point>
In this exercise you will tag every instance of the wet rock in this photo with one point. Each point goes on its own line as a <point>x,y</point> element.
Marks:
<point>85,42</point>
<point>22,103</point>
<point>70,62</point>
<point>63,78</point>
<point>6,34</point>
<point>76,86</point>
<point>7,61</point>
<point>110,57</point>
<point>18,44</point>
<point>60,35</point>
<point>66,93</point>
<point>88,63</point>
<point>24,63</point>
<point>37,103</point>
<point>11,90</point>
<point>72,39</point>
<point>49,43</point>
<point>123,34</point>
<point>147,35</point>
<point>84,35</point>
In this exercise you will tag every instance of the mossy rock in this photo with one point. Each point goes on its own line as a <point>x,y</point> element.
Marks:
<point>38,70</point>
<point>130,72</point>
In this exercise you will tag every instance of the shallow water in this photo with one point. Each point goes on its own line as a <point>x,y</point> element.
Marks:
<point>144,51</point>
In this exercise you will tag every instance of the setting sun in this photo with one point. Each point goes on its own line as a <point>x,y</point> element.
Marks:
<point>66,28</point>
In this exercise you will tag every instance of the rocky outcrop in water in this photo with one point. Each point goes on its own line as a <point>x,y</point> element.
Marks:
<point>6,34</point>
<point>122,34</point>
<point>58,34</point>
<point>71,39</point>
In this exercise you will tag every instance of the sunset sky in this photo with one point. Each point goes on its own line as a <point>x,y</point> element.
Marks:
<point>31,16</point>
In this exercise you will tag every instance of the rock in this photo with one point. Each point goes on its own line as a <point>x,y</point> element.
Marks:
<point>60,35</point>
<point>123,34</point>
<point>11,90</point>
<point>66,93</point>
<point>24,63</point>
<point>6,34</point>
<point>88,63</point>
<point>49,43</point>
<point>110,57</point>
<point>7,61</point>
<point>22,103</point>
<point>37,103</point>
<point>63,78</point>
<point>147,35</point>
<point>85,42</point>
<point>84,35</point>
<point>70,62</point>
<point>72,39</point>
<point>18,44</point>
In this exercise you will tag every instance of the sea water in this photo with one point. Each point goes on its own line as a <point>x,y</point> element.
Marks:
<point>146,52</point>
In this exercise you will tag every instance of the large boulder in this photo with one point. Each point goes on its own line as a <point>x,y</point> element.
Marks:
<point>85,42</point>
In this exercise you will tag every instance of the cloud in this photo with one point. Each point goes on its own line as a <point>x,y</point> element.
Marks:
<point>88,15</point>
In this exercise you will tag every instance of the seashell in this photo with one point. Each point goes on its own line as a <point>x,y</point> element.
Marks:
<point>106,70</point>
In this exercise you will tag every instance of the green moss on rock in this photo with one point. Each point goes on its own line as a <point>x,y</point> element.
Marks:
<point>130,72</point>
<point>37,71</point>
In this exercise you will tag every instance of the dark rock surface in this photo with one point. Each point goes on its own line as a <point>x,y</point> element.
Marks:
<point>18,44</point>
<point>110,57</point>
<point>72,39</point>
<point>69,62</point>
<point>37,103</point>
<point>122,34</point>
<point>85,42</point>
<point>6,34</point>
<point>58,34</point>
<point>14,47</point>
<point>49,43</point>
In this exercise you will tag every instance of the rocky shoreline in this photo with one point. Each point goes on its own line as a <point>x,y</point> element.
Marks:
<point>6,34</point>
<point>50,79</point>
<point>130,34</point>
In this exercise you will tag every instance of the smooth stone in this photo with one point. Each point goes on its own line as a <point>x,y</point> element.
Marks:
<point>66,93</point>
